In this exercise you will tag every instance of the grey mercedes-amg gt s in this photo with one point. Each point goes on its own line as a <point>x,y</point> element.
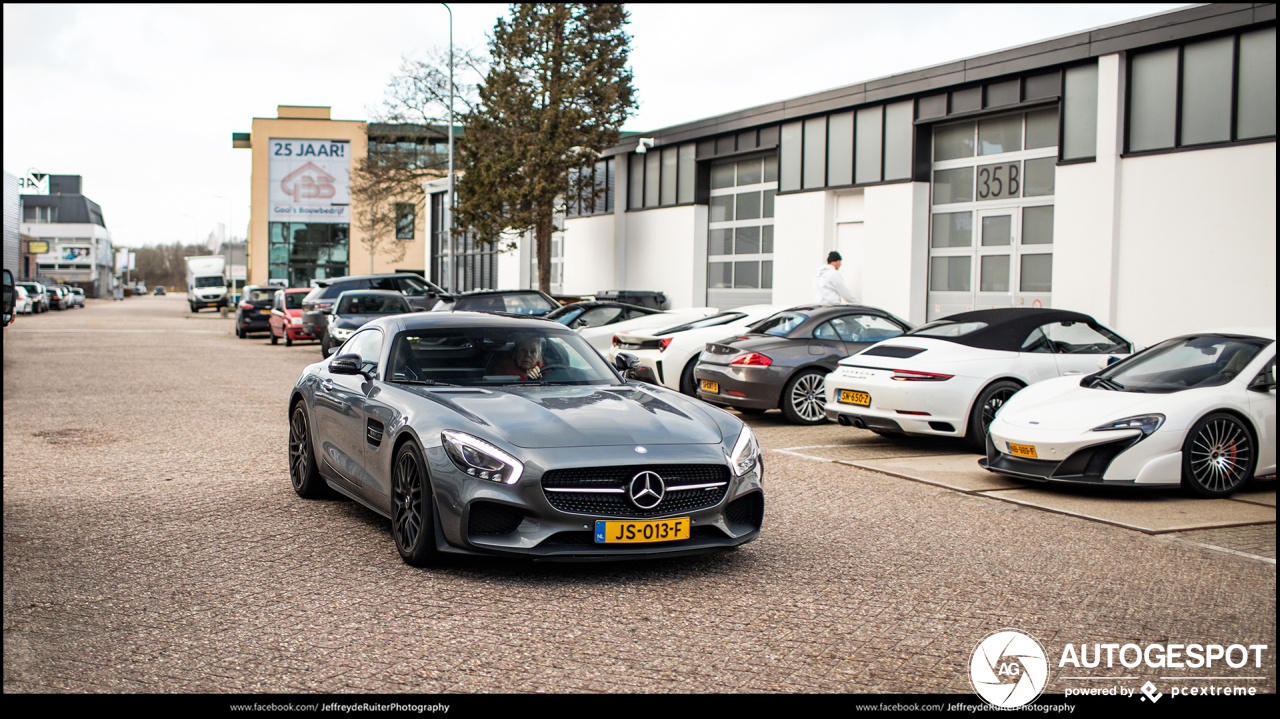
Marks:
<point>486,434</point>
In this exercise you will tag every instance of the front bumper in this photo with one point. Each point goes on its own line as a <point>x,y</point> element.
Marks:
<point>526,520</point>
<point>1112,458</point>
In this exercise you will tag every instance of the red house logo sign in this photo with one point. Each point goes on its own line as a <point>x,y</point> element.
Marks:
<point>308,182</point>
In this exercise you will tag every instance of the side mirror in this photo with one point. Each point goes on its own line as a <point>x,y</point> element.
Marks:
<point>577,324</point>
<point>1265,381</point>
<point>345,364</point>
<point>630,367</point>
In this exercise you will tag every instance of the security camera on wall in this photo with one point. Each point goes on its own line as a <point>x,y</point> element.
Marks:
<point>645,144</point>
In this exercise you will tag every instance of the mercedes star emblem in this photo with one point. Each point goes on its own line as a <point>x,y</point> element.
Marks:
<point>646,490</point>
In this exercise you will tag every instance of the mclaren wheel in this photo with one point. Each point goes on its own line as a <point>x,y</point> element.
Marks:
<point>990,400</point>
<point>412,526</point>
<point>804,398</point>
<point>303,472</point>
<point>1218,456</point>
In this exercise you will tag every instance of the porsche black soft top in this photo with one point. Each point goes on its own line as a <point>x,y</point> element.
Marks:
<point>1006,328</point>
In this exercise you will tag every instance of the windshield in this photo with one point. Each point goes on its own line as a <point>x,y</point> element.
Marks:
<point>1182,363</point>
<point>214,281</point>
<point>293,300</point>
<point>723,318</point>
<point>372,305</point>
<point>496,356</point>
<point>257,295</point>
<point>947,328</point>
<point>565,315</point>
<point>520,304</point>
<point>781,324</point>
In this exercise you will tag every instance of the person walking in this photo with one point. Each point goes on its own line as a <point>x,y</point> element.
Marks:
<point>829,287</point>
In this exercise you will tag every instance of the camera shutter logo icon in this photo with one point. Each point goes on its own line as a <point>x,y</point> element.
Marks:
<point>1008,669</point>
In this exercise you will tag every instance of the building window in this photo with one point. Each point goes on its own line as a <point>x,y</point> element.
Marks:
<point>404,221</point>
<point>414,153</point>
<point>1203,93</point>
<point>870,145</point>
<point>594,193</point>
<point>39,214</point>
<point>740,232</point>
<point>303,251</point>
<point>662,177</point>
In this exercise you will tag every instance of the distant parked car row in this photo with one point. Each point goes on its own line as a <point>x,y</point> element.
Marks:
<point>36,297</point>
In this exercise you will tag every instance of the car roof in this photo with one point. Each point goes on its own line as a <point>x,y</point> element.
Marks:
<point>1266,333</point>
<point>376,293</point>
<point>429,320</point>
<point>352,278</point>
<point>1007,327</point>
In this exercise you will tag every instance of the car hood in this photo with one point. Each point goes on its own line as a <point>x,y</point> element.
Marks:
<point>539,417</point>
<point>1062,404</point>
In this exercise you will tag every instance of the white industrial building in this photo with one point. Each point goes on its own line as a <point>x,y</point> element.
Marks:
<point>1128,172</point>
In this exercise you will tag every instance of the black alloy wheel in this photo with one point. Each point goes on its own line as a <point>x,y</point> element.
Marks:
<point>990,400</point>
<point>804,398</point>
<point>275,339</point>
<point>303,472</point>
<point>1217,456</point>
<point>288,341</point>
<point>411,519</point>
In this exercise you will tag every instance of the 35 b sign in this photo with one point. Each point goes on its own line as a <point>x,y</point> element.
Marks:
<point>998,182</point>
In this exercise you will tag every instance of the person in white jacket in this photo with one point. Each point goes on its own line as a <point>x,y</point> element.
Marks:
<point>829,287</point>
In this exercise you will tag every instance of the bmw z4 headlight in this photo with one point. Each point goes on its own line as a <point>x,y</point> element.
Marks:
<point>477,458</point>
<point>1147,423</point>
<point>746,453</point>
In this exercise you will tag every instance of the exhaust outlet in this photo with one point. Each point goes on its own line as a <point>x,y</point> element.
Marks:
<point>859,423</point>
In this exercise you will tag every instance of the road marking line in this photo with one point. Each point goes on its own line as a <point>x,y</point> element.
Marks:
<point>1238,553</point>
<point>198,332</point>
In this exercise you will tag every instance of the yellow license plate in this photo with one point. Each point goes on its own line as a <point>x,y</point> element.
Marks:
<point>709,386</point>
<point>266,312</point>
<point>211,304</point>
<point>1022,450</point>
<point>849,396</point>
<point>652,530</point>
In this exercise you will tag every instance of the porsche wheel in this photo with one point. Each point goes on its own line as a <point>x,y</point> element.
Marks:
<point>303,472</point>
<point>411,518</point>
<point>1217,456</point>
<point>990,400</point>
<point>804,398</point>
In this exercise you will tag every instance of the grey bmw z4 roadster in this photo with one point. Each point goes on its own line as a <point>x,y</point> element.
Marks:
<point>493,435</point>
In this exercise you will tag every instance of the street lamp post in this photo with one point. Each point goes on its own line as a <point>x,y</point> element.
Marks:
<point>448,225</point>
<point>227,238</point>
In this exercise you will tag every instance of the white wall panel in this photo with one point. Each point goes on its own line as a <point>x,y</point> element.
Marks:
<point>803,234</point>
<point>588,255</point>
<point>661,247</point>
<point>1197,242</point>
<point>895,249</point>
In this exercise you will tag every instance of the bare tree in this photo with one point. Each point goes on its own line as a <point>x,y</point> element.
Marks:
<point>392,173</point>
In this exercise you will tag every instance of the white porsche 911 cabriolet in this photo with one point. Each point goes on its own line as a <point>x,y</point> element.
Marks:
<point>951,376</point>
<point>1197,411</point>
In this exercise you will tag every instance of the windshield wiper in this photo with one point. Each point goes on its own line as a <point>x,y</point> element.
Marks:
<point>1105,383</point>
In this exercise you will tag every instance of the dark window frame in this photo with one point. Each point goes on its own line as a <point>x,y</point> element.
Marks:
<point>633,157</point>
<point>1178,145</point>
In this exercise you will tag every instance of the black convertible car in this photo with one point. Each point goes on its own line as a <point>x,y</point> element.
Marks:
<point>783,360</point>
<point>486,434</point>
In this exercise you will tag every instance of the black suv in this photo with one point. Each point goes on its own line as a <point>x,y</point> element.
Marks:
<point>422,295</point>
<point>253,313</point>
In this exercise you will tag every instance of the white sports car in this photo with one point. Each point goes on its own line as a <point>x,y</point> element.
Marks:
<point>951,376</point>
<point>672,352</point>
<point>1197,411</point>
<point>602,337</point>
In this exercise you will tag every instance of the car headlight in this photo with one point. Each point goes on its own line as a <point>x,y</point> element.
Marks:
<point>479,459</point>
<point>340,334</point>
<point>295,321</point>
<point>746,453</point>
<point>1147,423</point>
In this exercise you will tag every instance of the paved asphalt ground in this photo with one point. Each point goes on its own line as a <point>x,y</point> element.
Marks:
<point>152,543</point>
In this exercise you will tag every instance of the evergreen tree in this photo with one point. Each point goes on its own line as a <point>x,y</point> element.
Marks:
<point>556,93</point>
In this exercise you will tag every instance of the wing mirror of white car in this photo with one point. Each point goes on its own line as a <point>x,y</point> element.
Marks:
<point>1264,382</point>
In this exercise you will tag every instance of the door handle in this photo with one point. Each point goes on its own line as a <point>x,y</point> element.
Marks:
<point>327,385</point>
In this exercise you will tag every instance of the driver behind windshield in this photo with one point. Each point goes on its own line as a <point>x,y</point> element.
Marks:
<point>525,361</point>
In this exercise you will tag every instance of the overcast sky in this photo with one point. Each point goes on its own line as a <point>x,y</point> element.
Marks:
<point>141,100</point>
